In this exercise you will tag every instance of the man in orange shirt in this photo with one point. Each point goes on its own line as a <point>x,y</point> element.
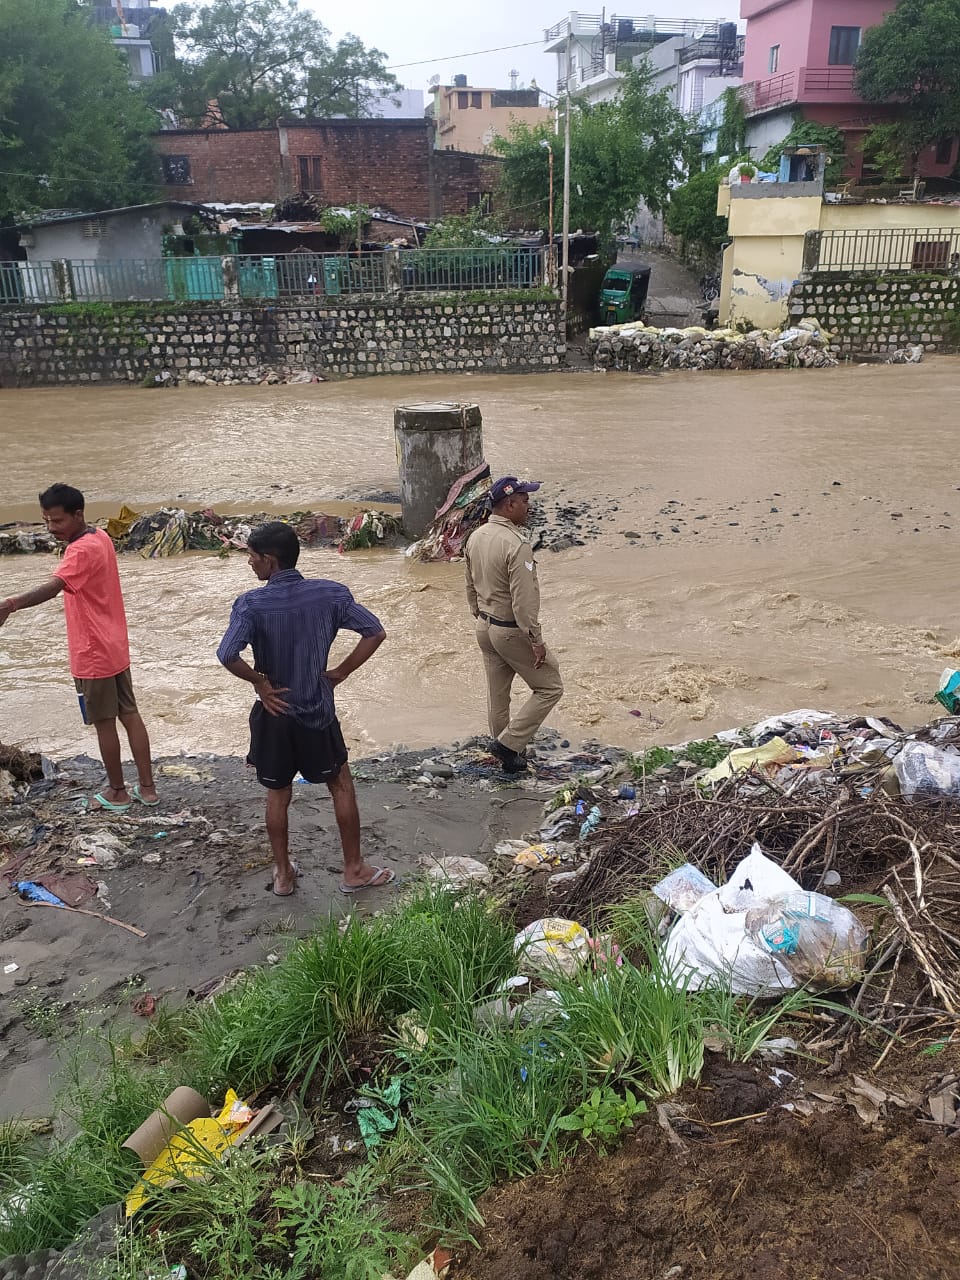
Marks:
<point>97,641</point>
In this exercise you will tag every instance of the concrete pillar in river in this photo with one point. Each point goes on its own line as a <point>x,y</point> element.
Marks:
<point>436,444</point>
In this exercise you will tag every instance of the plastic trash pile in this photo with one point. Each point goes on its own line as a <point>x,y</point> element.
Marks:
<point>760,933</point>
<point>18,542</point>
<point>805,345</point>
<point>171,531</point>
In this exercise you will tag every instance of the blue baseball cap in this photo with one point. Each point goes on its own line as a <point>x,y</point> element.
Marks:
<point>509,485</point>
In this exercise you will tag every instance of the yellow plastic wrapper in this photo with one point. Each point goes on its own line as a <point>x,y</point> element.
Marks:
<point>774,752</point>
<point>192,1151</point>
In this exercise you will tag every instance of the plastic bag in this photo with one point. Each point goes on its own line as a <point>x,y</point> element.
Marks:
<point>551,946</point>
<point>774,752</point>
<point>754,880</point>
<point>925,770</point>
<point>948,695</point>
<point>761,934</point>
<point>683,887</point>
<point>820,942</point>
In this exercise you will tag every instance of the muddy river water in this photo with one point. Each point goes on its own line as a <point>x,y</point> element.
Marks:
<point>793,541</point>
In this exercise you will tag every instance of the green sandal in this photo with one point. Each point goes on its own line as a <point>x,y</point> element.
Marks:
<point>108,806</point>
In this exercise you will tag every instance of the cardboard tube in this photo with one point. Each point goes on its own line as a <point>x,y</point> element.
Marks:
<point>179,1108</point>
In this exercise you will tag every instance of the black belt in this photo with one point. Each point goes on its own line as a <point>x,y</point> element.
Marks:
<point>495,622</point>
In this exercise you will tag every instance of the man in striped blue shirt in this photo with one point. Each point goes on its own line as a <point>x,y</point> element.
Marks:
<point>290,623</point>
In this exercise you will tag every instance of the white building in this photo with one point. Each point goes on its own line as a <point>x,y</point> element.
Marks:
<point>403,104</point>
<point>129,30</point>
<point>694,60</point>
<point>695,72</point>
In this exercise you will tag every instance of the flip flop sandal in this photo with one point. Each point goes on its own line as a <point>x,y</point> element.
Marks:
<point>290,892</point>
<point>135,792</point>
<point>101,803</point>
<point>373,883</point>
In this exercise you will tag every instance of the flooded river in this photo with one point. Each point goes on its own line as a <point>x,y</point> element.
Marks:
<point>792,540</point>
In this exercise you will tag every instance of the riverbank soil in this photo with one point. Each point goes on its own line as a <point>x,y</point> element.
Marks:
<point>194,875</point>
<point>823,1198</point>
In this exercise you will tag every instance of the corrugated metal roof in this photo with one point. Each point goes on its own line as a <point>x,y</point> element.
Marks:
<point>46,220</point>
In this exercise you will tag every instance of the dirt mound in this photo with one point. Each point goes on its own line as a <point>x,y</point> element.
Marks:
<point>821,1198</point>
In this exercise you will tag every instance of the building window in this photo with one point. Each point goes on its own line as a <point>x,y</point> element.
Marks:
<point>773,64</point>
<point>479,200</point>
<point>94,228</point>
<point>309,173</point>
<point>462,101</point>
<point>944,151</point>
<point>176,170</point>
<point>844,43</point>
<point>476,100</point>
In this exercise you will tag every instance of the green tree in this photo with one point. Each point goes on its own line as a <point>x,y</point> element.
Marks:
<point>621,152</point>
<point>913,58</point>
<point>267,58</point>
<point>472,230</point>
<point>692,212</point>
<point>73,132</point>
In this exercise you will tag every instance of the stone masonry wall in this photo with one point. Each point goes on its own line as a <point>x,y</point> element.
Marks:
<point>47,346</point>
<point>882,313</point>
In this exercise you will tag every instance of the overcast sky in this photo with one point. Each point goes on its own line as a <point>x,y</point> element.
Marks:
<point>446,37</point>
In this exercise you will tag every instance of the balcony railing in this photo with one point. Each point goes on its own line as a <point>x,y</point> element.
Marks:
<point>713,51</point>
<point>624,29</point>
<point>883,250</point>
<point>826,80</point>
<point>294,277</point>
<point>808,84</point>
<point>761,95</point>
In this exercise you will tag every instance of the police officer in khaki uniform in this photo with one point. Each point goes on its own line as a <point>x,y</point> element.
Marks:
<point>504,597</point>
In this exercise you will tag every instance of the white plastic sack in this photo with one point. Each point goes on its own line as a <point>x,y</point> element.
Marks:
<point>710,946</point>
<point>551,946</point>
<point>754,880</point>
<point>761,934</point>
<point>455,871</point>
<point>925,770</point>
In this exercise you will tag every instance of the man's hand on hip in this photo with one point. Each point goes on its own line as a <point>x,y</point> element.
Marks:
<point>335,676</point>
<point>539,654</point>
<point>271,699</point>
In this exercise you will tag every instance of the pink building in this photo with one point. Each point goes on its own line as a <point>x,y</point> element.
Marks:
<point>799,56</point>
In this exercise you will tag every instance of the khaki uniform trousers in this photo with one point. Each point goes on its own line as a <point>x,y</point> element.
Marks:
<point>507,653</point>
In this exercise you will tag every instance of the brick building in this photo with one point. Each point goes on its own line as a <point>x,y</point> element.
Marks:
<point>383,163</point>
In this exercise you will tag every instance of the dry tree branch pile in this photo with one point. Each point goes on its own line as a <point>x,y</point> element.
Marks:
<point>906,853</point>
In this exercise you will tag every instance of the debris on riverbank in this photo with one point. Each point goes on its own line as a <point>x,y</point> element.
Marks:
<point>499,1061</point>
<point>173,530</point>
<point>556,524</point>
<point>635,347</point>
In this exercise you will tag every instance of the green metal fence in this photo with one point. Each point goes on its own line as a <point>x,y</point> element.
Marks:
<point>290,276</point>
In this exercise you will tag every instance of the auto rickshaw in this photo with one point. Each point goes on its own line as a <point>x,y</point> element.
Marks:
<point>623,294</point>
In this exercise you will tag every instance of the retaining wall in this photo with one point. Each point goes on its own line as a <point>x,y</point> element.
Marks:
<point>46,346</point>
<point>882,313</point>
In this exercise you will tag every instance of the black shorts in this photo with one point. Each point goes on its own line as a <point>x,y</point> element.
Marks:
<point>281,747</point>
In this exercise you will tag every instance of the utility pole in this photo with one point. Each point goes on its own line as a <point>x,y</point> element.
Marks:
<point>552,259</point>
<point>566,178</point>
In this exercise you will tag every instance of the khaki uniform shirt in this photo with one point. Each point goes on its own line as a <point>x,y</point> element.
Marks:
<point>502,576</point>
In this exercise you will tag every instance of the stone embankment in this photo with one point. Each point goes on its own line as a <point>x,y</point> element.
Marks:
<point>882,315</point>
<point>161,345</point>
